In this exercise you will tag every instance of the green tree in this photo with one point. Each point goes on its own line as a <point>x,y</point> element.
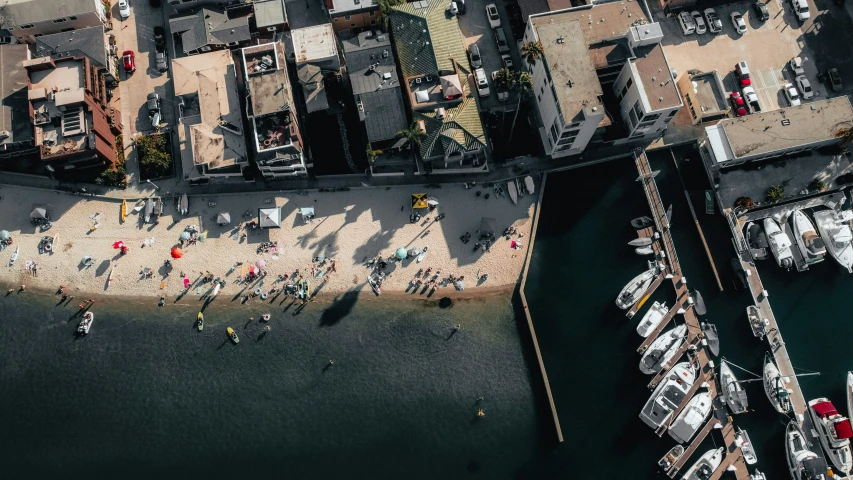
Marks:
<point>414,135</point>
<point>524,83</point>
<point>371,153</point>
<point>532,51</point>
<point>775,193</point>
<point>744,203</point>
<point>385,9</point>
<point>818,185</point>
<point>154,160</point>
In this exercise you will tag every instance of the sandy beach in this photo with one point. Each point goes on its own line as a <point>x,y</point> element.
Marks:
<point>350,228</point>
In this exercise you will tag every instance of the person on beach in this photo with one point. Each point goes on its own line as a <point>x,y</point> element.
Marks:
<point>23,287</point>
<point>10,290</point>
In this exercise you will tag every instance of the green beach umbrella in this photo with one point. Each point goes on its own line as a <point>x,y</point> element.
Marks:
<point>185,236</point>
<point>4,235</point>
<point>402,253</point>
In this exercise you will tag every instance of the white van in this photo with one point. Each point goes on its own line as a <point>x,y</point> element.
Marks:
<point>482,82</point>
<point>688,26</point>
<point>801,8</point>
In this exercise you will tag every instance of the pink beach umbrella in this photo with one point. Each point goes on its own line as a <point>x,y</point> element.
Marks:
<point>186,283</point>
<point>260,263</point>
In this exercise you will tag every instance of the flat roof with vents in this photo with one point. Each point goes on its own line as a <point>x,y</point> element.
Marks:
<point>314,43</point>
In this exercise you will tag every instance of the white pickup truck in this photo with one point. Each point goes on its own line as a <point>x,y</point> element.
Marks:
<point>751,99</point>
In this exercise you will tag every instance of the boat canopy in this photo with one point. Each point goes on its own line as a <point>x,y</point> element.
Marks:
<point>842,429</point>
<point>824,409</point>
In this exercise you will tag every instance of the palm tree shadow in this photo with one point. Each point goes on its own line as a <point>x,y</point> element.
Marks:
<point>341,307</point>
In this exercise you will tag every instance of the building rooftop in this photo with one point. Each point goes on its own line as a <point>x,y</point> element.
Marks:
<point>428,39</point>
<point>314,90</point>
<point>58,100</point>
<point>209,27</point>
<point>267,79</point>
<point>89,42</point>
<point>603,21</point>
<point>20,12</point>
<point>532,7</point>
<point>269,12</point>
<point>14,114</point>
<point>610,52</point>
<point>779,130</point>
<point>341,6</point>
<point>567,57</point>
<point>709,92</point>
<point>459,131</point>
<point>656,78</point>
<point>314,43</point>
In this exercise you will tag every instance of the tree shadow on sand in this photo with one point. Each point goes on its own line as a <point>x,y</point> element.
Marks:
<point>341,306</point>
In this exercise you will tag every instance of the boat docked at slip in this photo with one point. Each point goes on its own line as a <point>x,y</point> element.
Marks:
<point>774,386</point>
<point>705,466</point>
<point>149,209</point>
<point>668,395</point>
<point>712,337</point>
<point>662,350</point>
<point>184,204</point>
<point>671,457</point>
<point>834,228</point>
<point>780,244</point>
<point>733,392</point>
<point>634,290</point>
<point>652,319</point>
<point>808,241</point>
<point>834,432</point>
<point>528,185</point>
<point>742,440</point>
<point>513,191</point>
<point>85,324</point>
<point>691,418</point>
<point>802,462</point>
<point>757,241</point>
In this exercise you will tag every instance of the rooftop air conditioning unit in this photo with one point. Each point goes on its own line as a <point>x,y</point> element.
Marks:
<point>440,113</point>
<point>386,75</point>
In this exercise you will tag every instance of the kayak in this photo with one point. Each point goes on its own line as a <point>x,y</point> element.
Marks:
<point>233,335</point>
<point>374,286</point>
<point>200,321</point>
<point>14,256</point>
<point>123,210</point>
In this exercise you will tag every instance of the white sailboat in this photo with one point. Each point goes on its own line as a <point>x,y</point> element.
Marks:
<point>834,228</point>
<point>691,418</point>
<point>634,290</point>
<point>668,395</point>
<point>780,244</point>
<point>513,191</point>
<point>802,462</point>
<point>808,241</point>
<point>705,466</point>
<point>834,432</point>
<point>733,392</point>
<point>774,386</point>
<point>652,319</point>
<point>662,350</point>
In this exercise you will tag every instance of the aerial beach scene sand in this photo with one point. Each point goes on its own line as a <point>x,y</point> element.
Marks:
<point>349,228</point>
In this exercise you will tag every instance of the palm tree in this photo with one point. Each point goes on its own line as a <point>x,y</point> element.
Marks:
<point>524,83</point>
<point>504,80</point>
<point>532,51</point>
<point>413,134</point>
<point>371,153</point>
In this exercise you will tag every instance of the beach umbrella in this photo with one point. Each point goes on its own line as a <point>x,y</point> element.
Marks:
<point>4,235</point>
<point>223,218</point>
<point>432,201</point>
<point>488,226</point>
<point>402,253</point>
<point>39,212</point>
<point>186,283</point>
<point>177,252</point>
<point>459,286</point>
<point>185,236</point>
<point>118,245</point>
<point>321,258</point>
<point>419,200</point>
<point>260,263</point>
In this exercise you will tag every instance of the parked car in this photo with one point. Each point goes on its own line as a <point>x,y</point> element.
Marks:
<point>154,109</point>
<point>159,36</point>
<point>474,56</point>
<point>700,24</point>
<point>742,72</point>
<point>737,21</point>
<point>796,65</point>
<point>685,20</point>
<point>801,9</point>
<point>128,60</point>
<point>835,79</point>
<point>791,94</point>
<point>124,8</point>
<point>500,39</point>
<point>804,87</point>
<point>482,82</point>
<point>8,40</point>
<point>761,11</point>
<point>503,94</point>
<point>507,61</point>
<point>162,59</point>
<point>751,99</point>
<point>714,22</point>
<point>738,105</point>
<point>494,17</point>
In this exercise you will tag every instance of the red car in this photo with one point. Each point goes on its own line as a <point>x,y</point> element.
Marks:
<point>129,61</point>
<point>738,105</point>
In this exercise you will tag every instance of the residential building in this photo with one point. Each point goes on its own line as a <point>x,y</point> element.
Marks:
<point>316,54</point>
<point>353,15</point>
<point>28,19</point>
<point>704,96</point>
<point>270,109</point>
<point>184,5</point>
<point>210,129</point>
<point>90,42</point>
<point>270,16</point>
<point>73,126</point>
<point>206,30</point>
<point>16,126</point>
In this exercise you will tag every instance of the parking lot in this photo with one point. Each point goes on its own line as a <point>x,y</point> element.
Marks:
<point>767,47</point>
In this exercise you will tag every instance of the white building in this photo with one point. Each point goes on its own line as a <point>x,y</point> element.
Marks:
<point>27,19</point>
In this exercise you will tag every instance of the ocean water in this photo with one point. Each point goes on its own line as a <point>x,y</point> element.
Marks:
<point>146,394</point>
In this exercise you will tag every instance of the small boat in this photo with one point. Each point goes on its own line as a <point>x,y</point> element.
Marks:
<point>774,386</point>
<point>757,476</point>
<point>759,328</point>
<point>375,286</point>
<point>733,391</point>
<point>742,440</point>
<point>513,191</point>
<point>641,242</point>
<point>780,243</point>
<point>634,290</point>
<point>423,254</point>
<point>85,324</point>
<point>705,466</point>
<point>699,303</point>
<point>802,462</point>
<point>671,457</point>
<point>640,223</point>
<point>652,319</point>
<point>14,257</point>
<point>528,185</point>
<point>200,321</point>
<point>711,336</point>
<point>757,241</point>
<point>233,335</point>
<point>834,432</point>
<point>850,394</point>
<point>668,395</point>
<point>149,209</point>
<point>184,205</point>
<point>265,317</point>
<point>123,210</point>
<point>669,213</point>
<point>807,239</point>
<point>661,351</point>
<point>216,289</point>
<point>647,250</point>
<point>691,418</point>
<point>518,188</point>
<point>834,228</point>
<point>740,274</point>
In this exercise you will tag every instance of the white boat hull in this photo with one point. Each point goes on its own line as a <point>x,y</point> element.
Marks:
<point>513,192</point>
<point>652,319</point>
<point>836,235</point>
<point>837,451</point>
<point>661,351</point>
<point>780,244</point>
<point>706,464</point>
<point>807,239</point>
<point>634,290</point>
<point>691,418</point>
<point>670,391</point>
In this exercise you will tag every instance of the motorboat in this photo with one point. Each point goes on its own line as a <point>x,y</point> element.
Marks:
<point>774,386</point>
<point>642,222</point>
<point>780,244</point>
<point>699,303</point>
<point>85,324</point>
<point>742,440</point>
<point>184,205</point>
<point>834,228</point>
<point>733,391</point>
<point>671,457</point>
<point>634,290</point>
<point>374,285</point>
<point>14,257</point>
<point>233,335</point>
<point>513,191</point>
<point>661,351</point>
<point>834,432</point>
<point>740,274</point>
<point>652,319</point>
<point>641,242</point>
<point>691,418</point>
<point>216,289</point>
<point>802,462</point>
<point>757,241</point>
<point>712,337</point>
<point>647,250</point>
<point>850,393</point>
<point>758,325</point>
<point>528,185</point>
<point>149,209</point>
<point>705,466</point>
<point>669,213</point>
<point>808,241</point>
<point>668,395</point>
<point>200,321</point>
